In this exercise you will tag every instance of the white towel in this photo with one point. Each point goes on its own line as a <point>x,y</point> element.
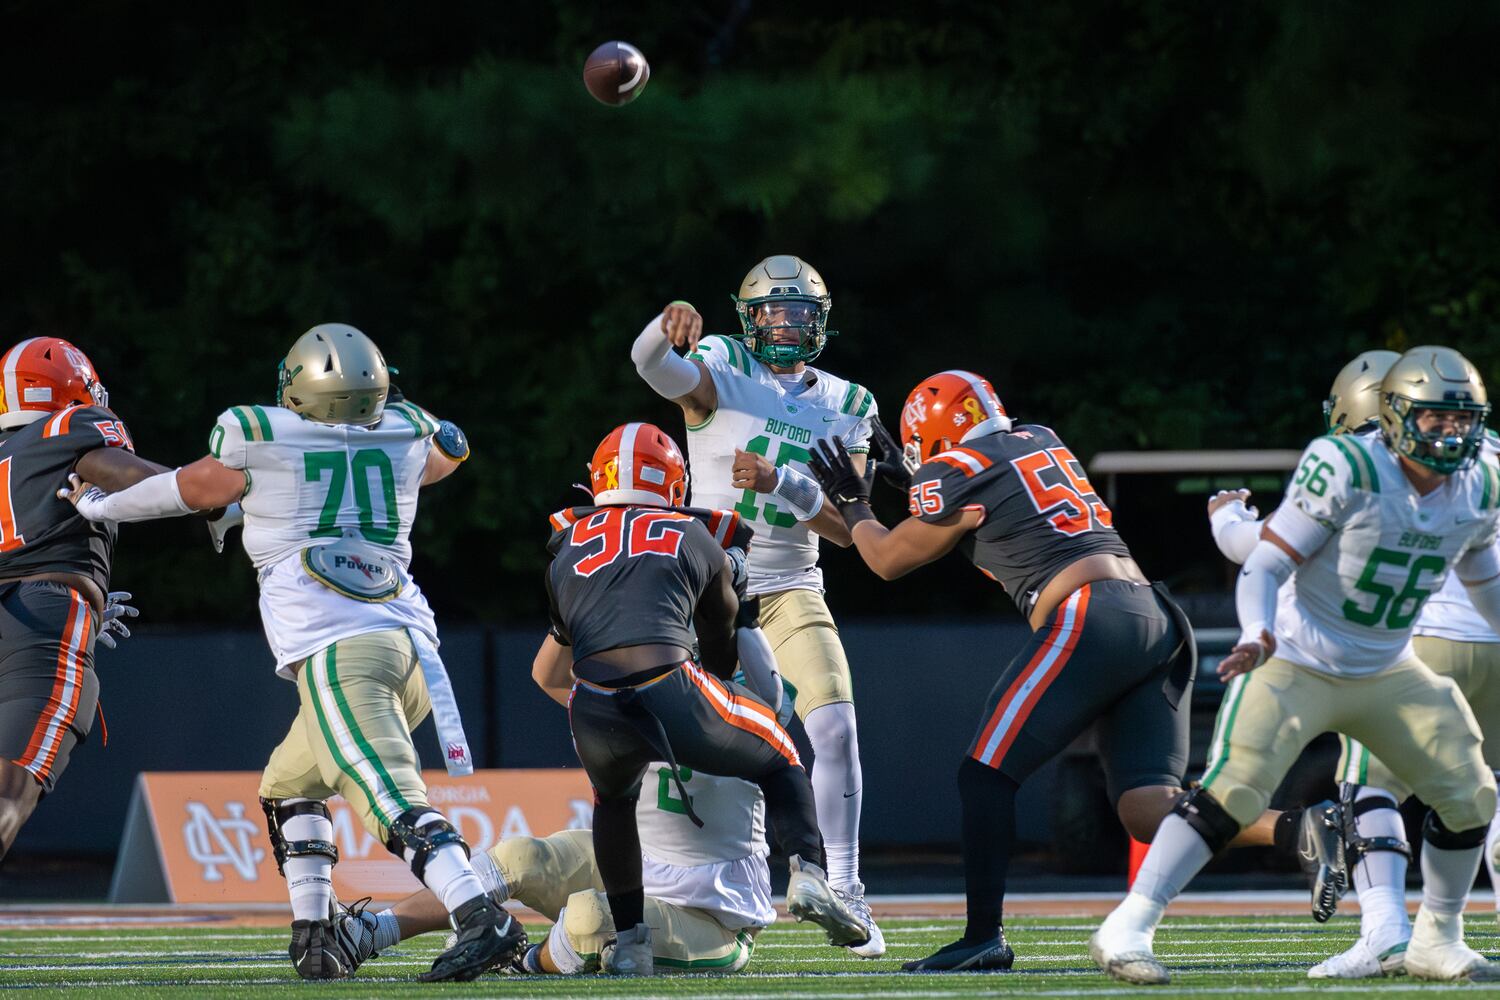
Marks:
<point>450,725</point>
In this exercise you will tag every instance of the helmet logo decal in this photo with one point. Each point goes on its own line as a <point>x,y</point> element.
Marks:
<point>975,411</point>
<point>915,412</point>
<point>612,474</point>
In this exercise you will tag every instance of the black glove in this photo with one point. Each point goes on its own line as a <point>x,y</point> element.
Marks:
<point>891,467</point>
<point>834,469</point>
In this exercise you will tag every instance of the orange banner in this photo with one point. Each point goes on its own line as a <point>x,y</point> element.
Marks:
<point>210,832</point>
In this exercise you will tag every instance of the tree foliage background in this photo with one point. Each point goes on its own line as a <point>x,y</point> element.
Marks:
<point>1153,224</point>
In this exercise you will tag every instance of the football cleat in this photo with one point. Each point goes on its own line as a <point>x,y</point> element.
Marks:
<point>1437,951</point>
<point>1361,962</point>
<point>355,930</point>
<point>487,937</point>
<point>316,952</point>
<point>1128,960</point>
<point>810,897</point>
<point>993,955</point>
<point>629,954</point>
<point>1320,852</point>
<point>853,896</point>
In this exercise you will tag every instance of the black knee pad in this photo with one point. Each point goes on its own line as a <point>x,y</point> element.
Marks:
<point>1356,846</point>
<point>1204,814</point>
<point>1439,836</point>
<point>278,812</point>
<point>407,836</point>
<point>977,778</point>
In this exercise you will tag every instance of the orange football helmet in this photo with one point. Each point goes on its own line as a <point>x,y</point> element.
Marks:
<point>638,463</point>
<point>947,409</point>
<point>43,375</point>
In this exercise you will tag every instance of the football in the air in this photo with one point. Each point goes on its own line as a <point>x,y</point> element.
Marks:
<point>616,73</point>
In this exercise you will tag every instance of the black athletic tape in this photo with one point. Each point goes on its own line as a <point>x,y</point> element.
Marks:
<point>1204,814</point>
<point>1373,803</point>
<point>278,813</point>
<point>312,848</point>
<point>1439,836</point>
<point>1356,849</point>
<point>421,841</point>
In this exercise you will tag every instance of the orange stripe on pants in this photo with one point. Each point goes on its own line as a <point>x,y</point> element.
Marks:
<point>750,716</point>
<point>41,751</point>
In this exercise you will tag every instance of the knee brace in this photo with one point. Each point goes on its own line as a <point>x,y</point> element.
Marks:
<point>1207,818</point>
<point>278,811</point>
<point>406,835</point>
<point>1356,846</point>
<point>1439,836</point>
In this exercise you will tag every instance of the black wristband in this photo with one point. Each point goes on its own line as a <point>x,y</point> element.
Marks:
<point>855,511</point>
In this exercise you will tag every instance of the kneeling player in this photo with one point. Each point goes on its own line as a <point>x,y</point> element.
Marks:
<point>1107,645</point>
<point>708,890</point>
<point>329,481</point>
<point>631,582</point>
<point>1371,525</point>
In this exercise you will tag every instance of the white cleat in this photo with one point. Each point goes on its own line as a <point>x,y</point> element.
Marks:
<point>1128,957</point>
<point>853,896</point>
<point>810,897</point>
<point>1361,962</point>
<point>1437,951</point>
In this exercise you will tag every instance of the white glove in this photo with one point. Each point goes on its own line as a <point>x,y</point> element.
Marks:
<point>115,611</point>
<point>218,529</point>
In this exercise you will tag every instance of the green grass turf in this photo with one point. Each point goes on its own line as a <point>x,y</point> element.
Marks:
<point>1223,957</point>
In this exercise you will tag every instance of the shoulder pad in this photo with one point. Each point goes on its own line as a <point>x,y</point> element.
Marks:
<point>255,422</point>
<point>1363,475</point>
<point>565,518</point>
<point>857,401</point>
<point>727,527</point>
<point>966,460</point>
<point>421,423</point>
<point>92,425</point>
<point>721,353</point>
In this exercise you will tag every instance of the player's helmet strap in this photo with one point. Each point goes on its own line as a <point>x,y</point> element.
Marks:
<point>1445,453</point>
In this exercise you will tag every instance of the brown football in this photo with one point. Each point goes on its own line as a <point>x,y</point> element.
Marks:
<point>616,73</point>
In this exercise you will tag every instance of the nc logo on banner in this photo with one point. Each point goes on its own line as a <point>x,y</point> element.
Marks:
<point>213,842</point>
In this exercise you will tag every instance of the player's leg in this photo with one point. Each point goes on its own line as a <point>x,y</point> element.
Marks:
<point>722,728</point>
<point>1376,857</point>
<point>1421,726</point>
<point>359,690</point>
<point>811,658</point>
<point>1275,711</point>
<point>682,939</point>
<point>48,693</point>
<point>1475,668</point>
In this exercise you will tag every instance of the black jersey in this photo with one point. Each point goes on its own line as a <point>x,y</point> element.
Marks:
<point>39,532</point>
<point>1040,513</point>
<point>627,576</point>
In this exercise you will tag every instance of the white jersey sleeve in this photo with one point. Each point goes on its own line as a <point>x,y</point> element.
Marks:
<point>229,441</point>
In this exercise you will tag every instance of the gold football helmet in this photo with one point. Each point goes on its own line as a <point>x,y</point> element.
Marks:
<point>334,374</point>
<point>784,292</point>
<point>1433,406</point>
<point>1354,400</point>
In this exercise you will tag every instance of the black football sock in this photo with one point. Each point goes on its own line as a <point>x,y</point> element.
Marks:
<point>989,830</point>
<point>792,814</point>
<point>1284,833</point>
<point>617,849</point>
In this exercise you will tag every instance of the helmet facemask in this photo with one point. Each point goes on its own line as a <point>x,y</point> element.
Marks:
<point>1448,445</point>
<point>784,330</point>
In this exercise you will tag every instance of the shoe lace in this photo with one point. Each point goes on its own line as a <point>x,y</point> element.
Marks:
<point>355,911</point>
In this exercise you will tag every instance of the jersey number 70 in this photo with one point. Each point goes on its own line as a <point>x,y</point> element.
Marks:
<point>1055,481</point>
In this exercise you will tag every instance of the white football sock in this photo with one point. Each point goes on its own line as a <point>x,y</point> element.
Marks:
<point>387,930</point>
<point>838,788</point>
<point>448,873</point>
<point>309,879</point>
<point>1177,853</point>
<point>1447,877</point>
<point>1380,877</point>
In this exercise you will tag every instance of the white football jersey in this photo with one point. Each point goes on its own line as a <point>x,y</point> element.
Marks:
<point>1358,596</point>
<point>757,413</point>
<point>720,867</point>
<point>1449,614</point>
<point>311,483</point>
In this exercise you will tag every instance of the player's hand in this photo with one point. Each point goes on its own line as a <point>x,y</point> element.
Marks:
<point>833,467</point>
<point>683,325</point>
<point>113,619</point>
<point>890,466</point>
<point>219,527</point>
<point>86,497</point>
<point>1225,497</point>
<point>1247,656</point>
<point>752,472</point>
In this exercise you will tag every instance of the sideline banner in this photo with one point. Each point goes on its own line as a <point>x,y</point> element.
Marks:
<point>200,837</point>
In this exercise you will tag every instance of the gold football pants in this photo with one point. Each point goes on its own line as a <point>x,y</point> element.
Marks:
<point>808,652</point>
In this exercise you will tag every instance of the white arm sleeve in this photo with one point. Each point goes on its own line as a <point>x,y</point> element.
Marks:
<point>1235,530</point>
<point>153,497</point>
<point>664,370</point>
<point>759,663</point>
<point>1265,571</point>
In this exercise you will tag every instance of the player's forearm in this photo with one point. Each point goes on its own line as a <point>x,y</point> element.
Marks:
<point>663,369</point>
<point>829,523</point>
<point>873,541</point>
<point>153,497</point>
<point>1235,531</point>
<point>1267,568</point>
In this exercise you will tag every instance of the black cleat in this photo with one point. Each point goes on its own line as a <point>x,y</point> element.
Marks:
<point>316,952</point>
<point>487,937</point>
<point>1320,852</point>
<point>993,955</point>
